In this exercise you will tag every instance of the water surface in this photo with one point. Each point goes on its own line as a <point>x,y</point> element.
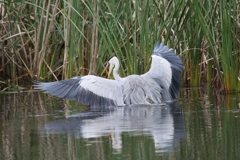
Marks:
<point>199,125</point>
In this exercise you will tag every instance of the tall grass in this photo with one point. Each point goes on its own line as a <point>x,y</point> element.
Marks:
<point>56,39</point>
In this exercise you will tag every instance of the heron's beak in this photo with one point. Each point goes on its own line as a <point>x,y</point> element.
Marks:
<point>107,66</point>
<point>109,72</point>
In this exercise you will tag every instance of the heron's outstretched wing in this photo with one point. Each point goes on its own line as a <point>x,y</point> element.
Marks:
<point>166,69</point>
<point>90,90</point>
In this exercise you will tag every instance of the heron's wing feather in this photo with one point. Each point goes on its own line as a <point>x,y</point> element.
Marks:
<point>166,69</point>
<point>141,90</point>
<point>90,90</point>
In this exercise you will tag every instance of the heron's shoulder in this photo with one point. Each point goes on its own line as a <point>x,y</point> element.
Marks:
<point>133,77</point>
<point>137,79</point>
<point>92,79</point>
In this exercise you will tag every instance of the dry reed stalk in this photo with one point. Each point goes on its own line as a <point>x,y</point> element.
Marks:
<point>50,70</point>
<point>66,41</point>
<point>94,46</point>
<point>37,39</point>
<point>45,41</point>
<point>15,35</point>
<point>47,31</point>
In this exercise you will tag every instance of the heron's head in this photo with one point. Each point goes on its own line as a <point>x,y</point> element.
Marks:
<point>111,63</point>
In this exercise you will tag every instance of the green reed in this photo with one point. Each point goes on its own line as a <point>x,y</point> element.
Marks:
<point>60,39</point>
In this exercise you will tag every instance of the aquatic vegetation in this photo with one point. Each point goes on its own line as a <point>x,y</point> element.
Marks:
<point>60,39</point>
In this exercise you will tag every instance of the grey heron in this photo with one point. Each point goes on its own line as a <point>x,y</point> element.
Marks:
<point>160,84</point>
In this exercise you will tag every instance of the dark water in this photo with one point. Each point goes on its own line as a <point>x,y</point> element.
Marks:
<point>199,125</point>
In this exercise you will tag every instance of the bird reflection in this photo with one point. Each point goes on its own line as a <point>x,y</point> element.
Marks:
<point>164,123</point>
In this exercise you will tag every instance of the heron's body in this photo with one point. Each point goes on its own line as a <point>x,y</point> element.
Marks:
<point>160,83</point>
<point>140,90</point>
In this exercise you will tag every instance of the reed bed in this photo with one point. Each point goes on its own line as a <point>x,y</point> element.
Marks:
<point>58,39</point>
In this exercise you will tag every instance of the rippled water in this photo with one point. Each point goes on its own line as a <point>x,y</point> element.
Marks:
<point>199,125</point>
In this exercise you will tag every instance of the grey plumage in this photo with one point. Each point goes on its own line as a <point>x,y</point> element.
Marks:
<point>176,67</point>
<point>161,83</point>
<point>83,90</point>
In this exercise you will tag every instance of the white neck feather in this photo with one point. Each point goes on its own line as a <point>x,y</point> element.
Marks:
<point>116,64</point>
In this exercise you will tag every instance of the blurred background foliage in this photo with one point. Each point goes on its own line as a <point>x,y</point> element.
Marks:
<point>50,40</point>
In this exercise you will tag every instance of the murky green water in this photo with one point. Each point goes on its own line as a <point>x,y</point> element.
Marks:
<point>200,125</point>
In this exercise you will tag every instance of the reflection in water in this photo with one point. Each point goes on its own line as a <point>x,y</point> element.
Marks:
<point>34,126</point>
<point>163,122</point>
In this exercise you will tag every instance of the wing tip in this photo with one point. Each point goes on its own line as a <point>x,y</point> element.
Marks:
<point>168,53</point>
<point>176,66</point>
<point>160,48</point>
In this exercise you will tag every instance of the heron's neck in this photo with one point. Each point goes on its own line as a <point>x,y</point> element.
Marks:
<point>115,72</point>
